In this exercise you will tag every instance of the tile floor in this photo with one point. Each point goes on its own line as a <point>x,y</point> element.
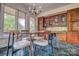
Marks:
<point>64,49</point>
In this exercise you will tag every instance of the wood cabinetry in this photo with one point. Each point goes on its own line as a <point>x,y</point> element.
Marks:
<point>73,20</point>
<point>73,25</point>
<point>63,20</point>
<point>40,23</point>
<point>73,37</point>
<point>70,19</point>
<point>74,14</point>
<point>62,36</point>
<point>59,20</point>
<point>46,22</point>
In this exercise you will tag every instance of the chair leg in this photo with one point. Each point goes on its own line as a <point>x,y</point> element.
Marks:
<point>8,44</point>
<point>34,50</point>
<point>13,45</point>
<point>52,48</point>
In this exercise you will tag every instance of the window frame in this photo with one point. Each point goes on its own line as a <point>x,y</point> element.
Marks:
<point>23,18</point>
<point>4,22</point>
<point>16,17</point>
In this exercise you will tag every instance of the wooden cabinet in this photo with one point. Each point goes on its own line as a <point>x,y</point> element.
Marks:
<point>63,20</point>
<point>75,14</point>
<point>46,22</point>
<point>62,36</point>
<point>40,23</point>
<point>73,19</point>
<point>59,20</point>
<point>70,19</point>
<point>73,37</point>
<point>73,26</point>
<point>55,21</point>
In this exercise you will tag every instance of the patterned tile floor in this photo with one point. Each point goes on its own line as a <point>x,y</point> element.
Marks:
<point>64,49</point>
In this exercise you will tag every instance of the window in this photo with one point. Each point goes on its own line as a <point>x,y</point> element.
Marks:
<point>32,24</point>
<point>9,18</point>
<point>9,22</point>
<point>21,21</point>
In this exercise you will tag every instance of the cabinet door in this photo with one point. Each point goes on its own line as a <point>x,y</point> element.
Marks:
<point>40,23</point>
<point>56,22</point>
<point>62,36</point>
<point>75,26</point>
<point>75,14</point>
<point>63,20</point>
<point>73,20</point>
<point>47,22</point>
<point>72,37</point>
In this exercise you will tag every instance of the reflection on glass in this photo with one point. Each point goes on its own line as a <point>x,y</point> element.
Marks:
<point>9,22</point>
<point>21,23</point>
<point>63,20</point>
<point>32,24</point>
<point>56,19</point>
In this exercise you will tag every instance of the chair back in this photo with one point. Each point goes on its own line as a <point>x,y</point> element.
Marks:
<point>51,37</point>
<point>24,33</point>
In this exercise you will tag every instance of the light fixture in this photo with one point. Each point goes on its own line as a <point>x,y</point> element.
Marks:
<point>33,10</point>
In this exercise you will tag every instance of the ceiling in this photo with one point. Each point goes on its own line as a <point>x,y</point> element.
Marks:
<point>45,6</point>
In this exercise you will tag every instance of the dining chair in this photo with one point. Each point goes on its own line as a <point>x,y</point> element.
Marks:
<point>42,44</point>
<point>16,45</point>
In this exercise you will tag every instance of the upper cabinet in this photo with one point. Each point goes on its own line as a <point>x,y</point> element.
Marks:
<point>68,20</point>
<point>73,19</point>
<point>56,21</point>
<point>40,23</point>
<point>46,22</point>
<point>75,26</point>
<point>63,20</point>
<point>74,14</point>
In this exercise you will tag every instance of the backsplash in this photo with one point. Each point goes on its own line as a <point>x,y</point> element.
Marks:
<point>56,28</point>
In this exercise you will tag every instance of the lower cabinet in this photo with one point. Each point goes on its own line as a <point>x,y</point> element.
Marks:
<point>73,37</point>
<point>70,37</point>
<point>62,36</point>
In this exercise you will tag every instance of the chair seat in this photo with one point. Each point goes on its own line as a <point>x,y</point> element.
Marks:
<point>26,38</point>
<point>38,38</point>
<point>21,44</point>
<point>41,42</point>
